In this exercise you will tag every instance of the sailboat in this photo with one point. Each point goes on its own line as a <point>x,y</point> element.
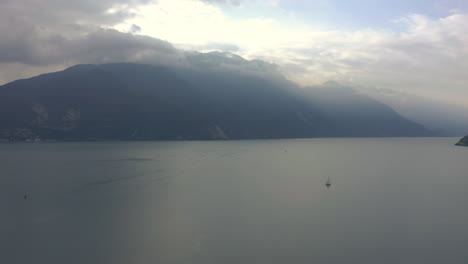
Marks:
<point>328,183</point>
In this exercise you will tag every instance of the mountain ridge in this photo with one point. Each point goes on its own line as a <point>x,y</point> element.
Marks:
<point>463,141</point>
<point>128,101</point>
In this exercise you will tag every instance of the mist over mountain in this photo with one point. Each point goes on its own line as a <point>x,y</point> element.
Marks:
<point>357,115</point>
<point>445,119</point>
<point>209,96</point>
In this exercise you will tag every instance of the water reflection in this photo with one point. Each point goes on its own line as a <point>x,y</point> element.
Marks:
<point>235,202</point>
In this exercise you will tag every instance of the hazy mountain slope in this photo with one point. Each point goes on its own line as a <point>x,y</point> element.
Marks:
<point>129,101</point>
<point>214,101</point>
<point>445,119</point>
<point>354,114</point>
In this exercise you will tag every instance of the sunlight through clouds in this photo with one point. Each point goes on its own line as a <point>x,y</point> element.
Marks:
<point>417,53</point>
<point>194,22</point>
<point>377,57</point>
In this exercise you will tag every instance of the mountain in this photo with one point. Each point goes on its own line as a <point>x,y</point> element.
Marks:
<point>463,142</point>
<point>356,115</point>
<point>221,97</point>
<point>446,119</point>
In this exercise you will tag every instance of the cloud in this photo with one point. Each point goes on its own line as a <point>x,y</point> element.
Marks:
<point>134,29</point>
<point>430,56</point>
<point>33,46</point>
<point>425,55</point>
<point>239,2</point>
<point>43,35</point>
<point>211,46</point>
<point>54,13</point>
<point>35,54</point>
<point>233,2</point>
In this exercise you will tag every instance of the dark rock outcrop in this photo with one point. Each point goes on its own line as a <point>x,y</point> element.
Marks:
<point>463,142</point>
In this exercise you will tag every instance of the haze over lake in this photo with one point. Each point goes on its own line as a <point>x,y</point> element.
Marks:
<point>391,201</point>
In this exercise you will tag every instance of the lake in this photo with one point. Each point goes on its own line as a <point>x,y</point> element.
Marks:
<point>392,200</point>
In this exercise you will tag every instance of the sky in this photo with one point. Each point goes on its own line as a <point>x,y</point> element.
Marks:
<point>418,46</point>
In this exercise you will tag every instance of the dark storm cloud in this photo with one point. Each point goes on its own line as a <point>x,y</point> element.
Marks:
<point>27,43</point>
<point>104,46</point>
<point>53,34</point>
<point>32,45</point>
<point>37,32</point>
<point>62,12</point>
<point>41,36</point>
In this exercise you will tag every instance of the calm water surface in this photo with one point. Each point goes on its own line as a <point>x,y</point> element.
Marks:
<point>391,201</point>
